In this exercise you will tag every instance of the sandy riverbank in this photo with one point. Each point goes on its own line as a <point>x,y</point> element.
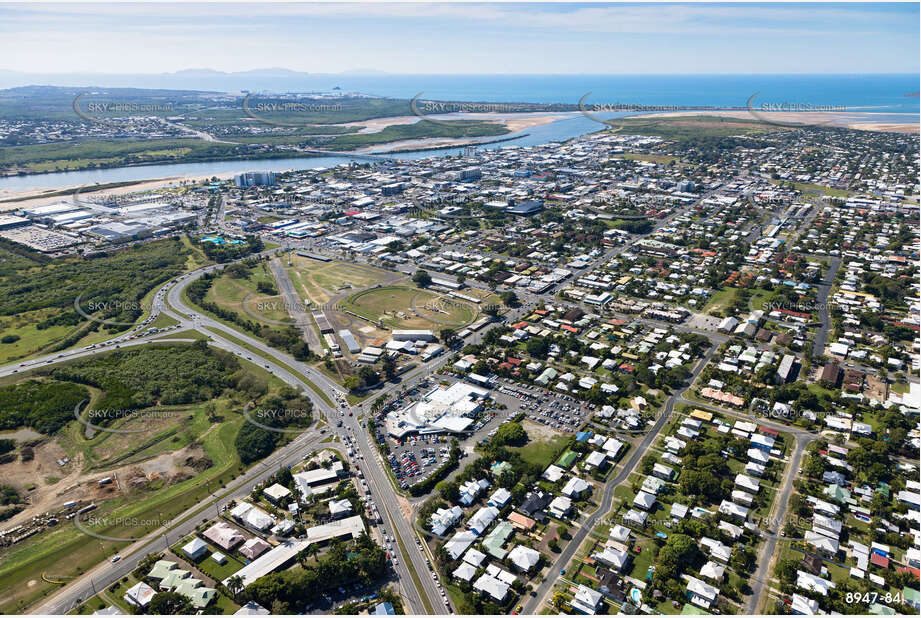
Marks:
<point>863,121</point>
<point>515,122</point>
<point>33,197</point>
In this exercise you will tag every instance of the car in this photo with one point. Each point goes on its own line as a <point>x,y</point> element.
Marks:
<point>116,558</point>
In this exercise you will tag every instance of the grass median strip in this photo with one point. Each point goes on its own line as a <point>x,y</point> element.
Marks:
<point>294,372</point>
<point>412,570</point>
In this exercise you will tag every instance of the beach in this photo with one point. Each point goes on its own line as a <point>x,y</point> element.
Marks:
<point>863,121</point>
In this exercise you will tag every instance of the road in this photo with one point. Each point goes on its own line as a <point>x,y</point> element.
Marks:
<point>296,307</point>
<point>774,523</point>
<point>168,300</point>
<point>383,493</point>
<point>178,309</point>
<point>428,599</point>
<point>821,335</point>
<point>533,605</point>
<point>767,554</point>
<point>107,573</point>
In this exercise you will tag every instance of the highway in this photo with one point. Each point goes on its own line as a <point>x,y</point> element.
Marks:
<point>168,300</point>
<point>106,573</point>
<point>382,492</point>
<point>423,598</point>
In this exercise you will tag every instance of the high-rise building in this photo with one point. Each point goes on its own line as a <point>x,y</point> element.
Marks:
<point>254,179</point>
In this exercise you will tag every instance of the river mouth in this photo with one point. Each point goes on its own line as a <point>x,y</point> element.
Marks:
<point>15,186</point>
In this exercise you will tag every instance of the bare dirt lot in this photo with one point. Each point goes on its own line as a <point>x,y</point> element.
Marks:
<point>46,486</point>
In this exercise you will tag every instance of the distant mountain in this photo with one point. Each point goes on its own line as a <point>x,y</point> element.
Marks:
<point>364,72</point>
<point>274,79</point>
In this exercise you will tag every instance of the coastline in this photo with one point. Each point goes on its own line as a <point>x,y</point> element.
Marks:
<point>515,123</point>
<point>841,120</point>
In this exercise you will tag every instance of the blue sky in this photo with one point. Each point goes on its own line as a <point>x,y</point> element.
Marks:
<point>463,38</point>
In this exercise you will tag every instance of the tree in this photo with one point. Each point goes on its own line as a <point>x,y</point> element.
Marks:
<point>509,299</point>
<point>284,477</point>
<point>679,551</point>
<point>368,376</point>
<point>449,336</point>
<point>280,608</point>
<point>352,382</point>
<point>422,278</point>
<point>235,585</point>
<point>538,347</point>
<point>559,600</point>
<point>170,604</point>
<point>389,367</point>
<point>510,433</point>
<point>254,442</point>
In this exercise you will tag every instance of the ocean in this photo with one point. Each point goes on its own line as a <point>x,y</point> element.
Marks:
<point>889,98</point>
<point>883,93</point>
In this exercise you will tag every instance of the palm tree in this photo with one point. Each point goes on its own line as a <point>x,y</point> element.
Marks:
<point>235,585</point>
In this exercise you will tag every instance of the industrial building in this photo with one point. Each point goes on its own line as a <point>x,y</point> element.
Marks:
<point>349,340</point>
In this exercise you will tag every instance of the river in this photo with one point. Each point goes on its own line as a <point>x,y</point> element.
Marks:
<point>558,130</point>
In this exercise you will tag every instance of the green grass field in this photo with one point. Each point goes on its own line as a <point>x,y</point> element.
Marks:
<point>419,308</point>
<point>688,127</point>
<point>806,187</point>
<point>22,566</point>
<point>242,296</point>
<point>320,281</point>
<point>652,158</point>
<point>543,452</point>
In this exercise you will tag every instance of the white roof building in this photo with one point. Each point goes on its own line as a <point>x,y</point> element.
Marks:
<point>224,535</point>
<point>271,561</point>
<point>559,507</point>
<point>615,558</point>
<point>480,521</point>
<point>440,410</point>
<point>276,492</point>
<point>713,571</point>
<point>586,600</point>
<point>553,473</point>
<point>492,587</point>
<point>575,487</point>
<point>350,527</point>
<point>701,594</point>
<point>499,498</point>
<point>458,544</point>
<point>474,557</point>
<point>442,519</point>
<point>139,594</point>
<point>524,558</point>
<point>340,508</point>
<point>748,483</point>
<point>252,516</point>
<point>464,572</point>
<point>808,581</point>
<point>644,500</point>
<point>803,606</point>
